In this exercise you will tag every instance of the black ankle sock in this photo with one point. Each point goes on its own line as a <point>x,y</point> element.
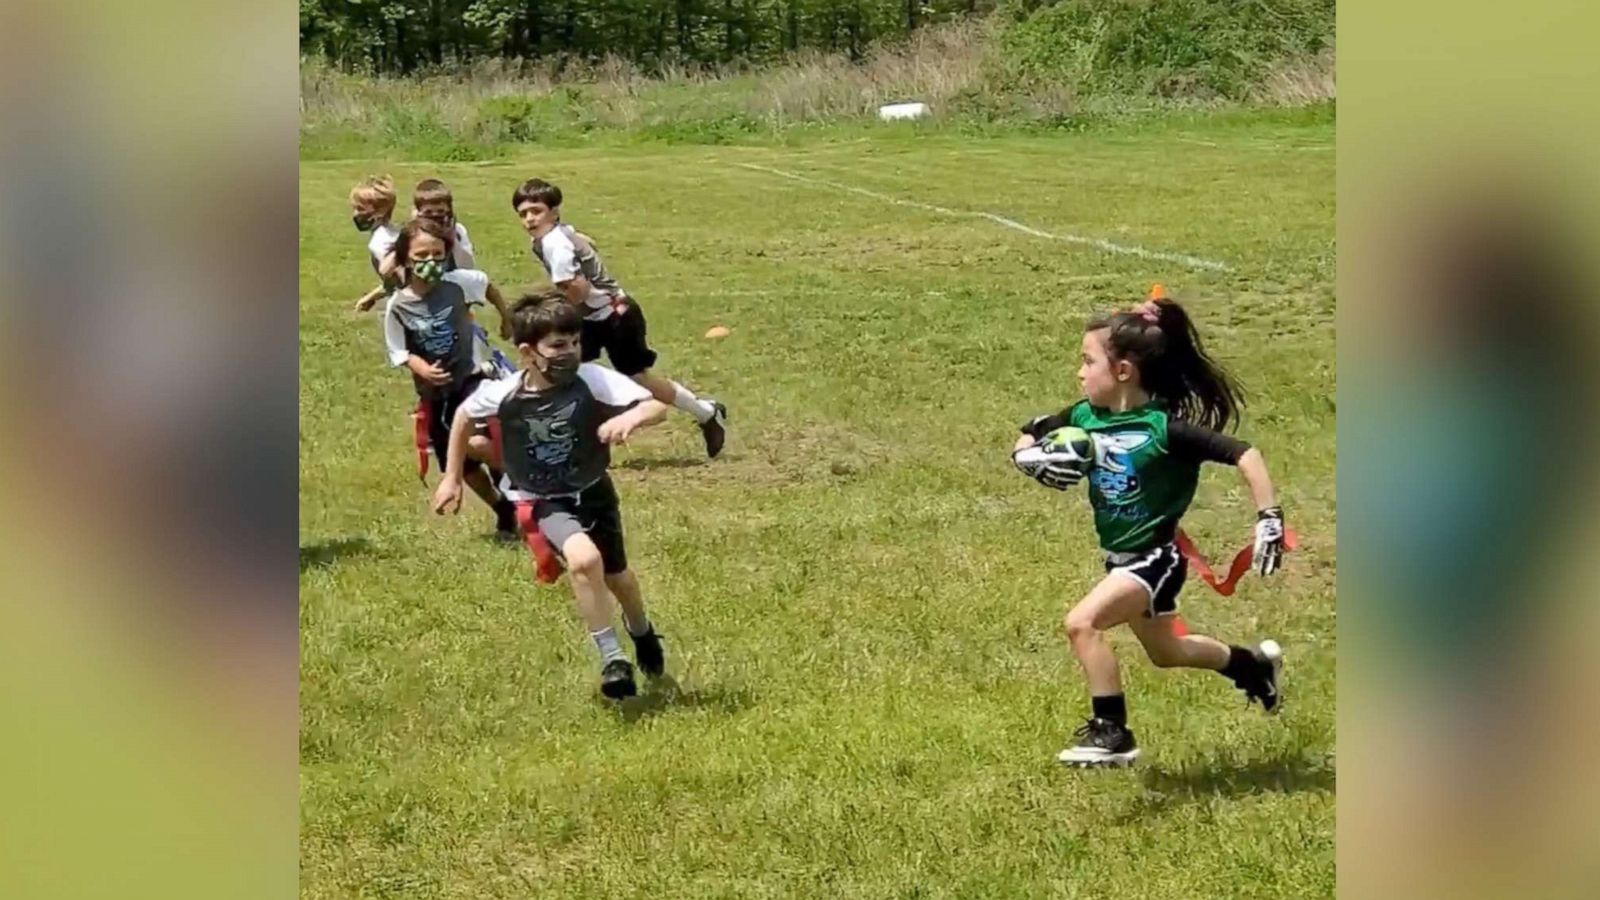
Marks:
<point>505,511</point>
<point>1241,664</point>
<point>1113,708</point>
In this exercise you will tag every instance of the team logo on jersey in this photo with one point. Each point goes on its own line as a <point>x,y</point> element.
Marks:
<point>552,436</point>
<point>436,333</point>
<point>1113,474</point>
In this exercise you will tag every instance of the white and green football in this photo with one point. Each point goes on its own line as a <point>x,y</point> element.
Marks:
<point>1068,447</point>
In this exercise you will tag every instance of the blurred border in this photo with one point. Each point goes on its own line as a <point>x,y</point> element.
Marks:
<point>149,646</point>
<point>1467,336</point>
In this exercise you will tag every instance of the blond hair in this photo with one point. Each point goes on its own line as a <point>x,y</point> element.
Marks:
<point>376,191</point>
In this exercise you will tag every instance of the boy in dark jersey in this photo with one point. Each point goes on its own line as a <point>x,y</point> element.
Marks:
<point>1155,407</point>
<point>558,418</point>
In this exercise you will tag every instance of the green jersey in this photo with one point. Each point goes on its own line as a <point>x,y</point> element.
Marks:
<point>1146,469</point>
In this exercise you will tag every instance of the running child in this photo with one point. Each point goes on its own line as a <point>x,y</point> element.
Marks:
<point>372,209</point>
<point>1155,407</point>
<point>558,418</point>
<point>432,200</point>
<point>427,328</point>
<point>612,320</point>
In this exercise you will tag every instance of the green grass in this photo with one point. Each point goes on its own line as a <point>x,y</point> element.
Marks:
<point>862,599</point>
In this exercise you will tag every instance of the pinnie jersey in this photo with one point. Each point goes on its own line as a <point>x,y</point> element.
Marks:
<point>550,438</point>
<point>1146,469</point>
<point>564,254</point>
<point>436,326</point>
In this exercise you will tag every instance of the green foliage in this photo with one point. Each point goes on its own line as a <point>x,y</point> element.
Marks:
<point>1163,48</point>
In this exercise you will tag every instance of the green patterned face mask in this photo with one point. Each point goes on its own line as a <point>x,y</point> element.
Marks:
<point>429,270</point>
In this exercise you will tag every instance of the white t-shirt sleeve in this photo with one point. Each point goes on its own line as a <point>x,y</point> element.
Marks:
<point>394,335</point>
<point>474,283</point>
<point>611,387</point>
<point>465,256</point>
<point>381,242</point>
<point>560,256</point>
<point>484,401</point>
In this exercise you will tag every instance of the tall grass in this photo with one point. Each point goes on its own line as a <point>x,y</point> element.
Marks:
<point>1043,68</point>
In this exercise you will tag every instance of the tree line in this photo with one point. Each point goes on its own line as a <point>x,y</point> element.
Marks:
<point>397,37</point>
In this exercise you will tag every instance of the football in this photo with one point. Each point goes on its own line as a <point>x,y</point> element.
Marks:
<point>1065,448</point>
<point>1071,445</point>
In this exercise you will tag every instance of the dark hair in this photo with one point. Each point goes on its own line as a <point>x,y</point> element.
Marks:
<point>537,191</point>
<point>432,190</point>
<point>1173,366</point>
<point>541,314</point>
<point>416,226</point>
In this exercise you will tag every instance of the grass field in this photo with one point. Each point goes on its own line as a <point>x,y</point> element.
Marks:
<point>861,599</point>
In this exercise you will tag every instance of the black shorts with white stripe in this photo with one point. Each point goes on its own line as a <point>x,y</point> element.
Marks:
<point>1162,570</point>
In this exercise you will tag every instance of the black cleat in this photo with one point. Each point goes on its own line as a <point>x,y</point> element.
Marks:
<point>1102,743</point>
<point>647,649</point>
<point>616,680</point>
<point>1264,687</point>
<point>715,429</point>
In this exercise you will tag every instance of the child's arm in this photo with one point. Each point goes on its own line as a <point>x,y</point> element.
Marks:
<point>447,496</point>
<point>369,298</point>
<point>1253,469</point>
<point>494,297</point>
<point>618,429</point>
<point>1268,555</point>
<point>387,267</point>
<point>576,290</point>
<point>1204,445</point>
<point>1037,427</point>
<point>427,371</point>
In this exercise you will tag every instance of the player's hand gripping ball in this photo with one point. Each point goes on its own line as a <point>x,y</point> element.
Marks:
<point>1060,460</point>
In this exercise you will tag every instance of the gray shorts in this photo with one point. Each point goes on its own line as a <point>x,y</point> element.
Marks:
<point>594,512</point>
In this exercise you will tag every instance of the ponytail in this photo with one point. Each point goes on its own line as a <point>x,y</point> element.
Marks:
<point>1161,341</point>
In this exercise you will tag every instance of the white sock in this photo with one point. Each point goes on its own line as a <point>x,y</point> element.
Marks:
<point>606,640</point>
<point>689,403</point>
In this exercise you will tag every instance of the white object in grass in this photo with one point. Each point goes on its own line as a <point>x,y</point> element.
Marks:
<point>894,111</point>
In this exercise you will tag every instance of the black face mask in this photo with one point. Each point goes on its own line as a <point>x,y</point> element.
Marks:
<point>363,223</point>
<point>562,368</point>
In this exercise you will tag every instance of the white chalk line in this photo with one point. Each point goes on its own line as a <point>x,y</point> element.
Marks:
<point>1097,243</point>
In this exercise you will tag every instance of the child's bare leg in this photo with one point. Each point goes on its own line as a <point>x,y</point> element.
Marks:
<point>1251,671</point>
<point>478,479</point>
<point>591,597</point>
<point>1168,649</point>
<point>625,587</point>
<point>1113,601</point>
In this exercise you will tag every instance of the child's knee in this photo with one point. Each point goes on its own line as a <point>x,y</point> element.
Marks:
<point>583,559</point>
<point>1079,623</point>
<point>478,446</point>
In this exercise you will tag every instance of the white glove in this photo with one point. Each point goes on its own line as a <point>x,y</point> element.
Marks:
<point>1053,470</point>
<point>1268,555</point>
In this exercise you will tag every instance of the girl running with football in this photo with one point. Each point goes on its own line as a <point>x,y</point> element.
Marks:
<point>1155,408</point>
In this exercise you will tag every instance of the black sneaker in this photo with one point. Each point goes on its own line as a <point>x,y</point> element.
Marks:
<point>616,679</point>
<point>1101,743</point>
<point>1264,687</point>
<point>715,429</point>
<point>647,649</point>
